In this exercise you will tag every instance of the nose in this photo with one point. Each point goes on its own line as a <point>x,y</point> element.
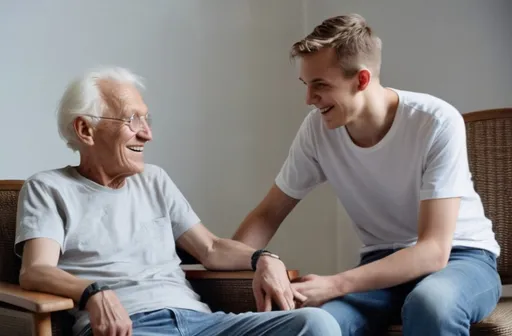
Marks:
<point>311,97</point>
<point>145,132</point>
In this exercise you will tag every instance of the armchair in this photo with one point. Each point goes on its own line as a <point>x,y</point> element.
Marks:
<point>25,312</point>
<point>489,142</point>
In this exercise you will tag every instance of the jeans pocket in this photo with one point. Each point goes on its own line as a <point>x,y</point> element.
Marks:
<point>490,257</point>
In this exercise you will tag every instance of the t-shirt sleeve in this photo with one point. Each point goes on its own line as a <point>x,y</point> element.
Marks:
<point>446,172</point>
<point>181,213</point>
<point>37,215</point>
<point>301,171</point>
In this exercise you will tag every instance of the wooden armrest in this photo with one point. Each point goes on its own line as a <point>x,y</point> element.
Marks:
<point>197,272</point>
<point>33,301</point>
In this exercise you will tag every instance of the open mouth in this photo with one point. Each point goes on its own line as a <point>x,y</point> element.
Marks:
<point>138,149</point>
<point>325,109</point>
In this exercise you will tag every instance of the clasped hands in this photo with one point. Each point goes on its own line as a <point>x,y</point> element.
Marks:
<point>271,284</point>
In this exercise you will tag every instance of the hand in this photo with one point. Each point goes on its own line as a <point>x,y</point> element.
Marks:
<point>317,289</point>
<point>108,317</point>
<point>271,282</point>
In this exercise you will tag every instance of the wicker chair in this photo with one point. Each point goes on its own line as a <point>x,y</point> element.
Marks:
<point>29,313</point>
<point>489,142</point>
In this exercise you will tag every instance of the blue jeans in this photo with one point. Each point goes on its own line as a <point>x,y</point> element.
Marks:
<point>183,322</point>
<point>442,303</point>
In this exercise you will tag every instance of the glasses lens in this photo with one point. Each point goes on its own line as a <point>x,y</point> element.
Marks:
<point>137,123</point>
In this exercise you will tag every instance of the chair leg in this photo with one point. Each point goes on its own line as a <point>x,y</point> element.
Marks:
<point>42,324</point>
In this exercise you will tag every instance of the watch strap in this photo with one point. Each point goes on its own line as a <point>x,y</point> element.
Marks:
<point>257,254</point>
<point>89,291</point>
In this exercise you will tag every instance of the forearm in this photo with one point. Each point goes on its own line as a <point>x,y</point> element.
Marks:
<point>50,279</point>
<point>227,254</point>
<point>400,267</point>
<point>257,229</point>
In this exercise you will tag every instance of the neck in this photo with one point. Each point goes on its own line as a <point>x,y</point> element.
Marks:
<point>376,118</point>
<point>93,171</point>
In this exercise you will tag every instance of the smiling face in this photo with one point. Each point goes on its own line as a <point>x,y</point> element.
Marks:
<point>112,148</point>
<point>339,99</point>
<point>120,148</point>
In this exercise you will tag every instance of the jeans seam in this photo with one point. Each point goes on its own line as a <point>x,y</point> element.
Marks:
<point>179,325</point>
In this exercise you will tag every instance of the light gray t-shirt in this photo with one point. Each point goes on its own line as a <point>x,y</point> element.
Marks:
<point>124,238</point>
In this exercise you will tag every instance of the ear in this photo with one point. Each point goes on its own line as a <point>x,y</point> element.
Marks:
<point>84,132</point>
<point>364,77</point>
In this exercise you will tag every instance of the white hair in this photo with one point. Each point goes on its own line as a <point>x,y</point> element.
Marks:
<point>82,96</point>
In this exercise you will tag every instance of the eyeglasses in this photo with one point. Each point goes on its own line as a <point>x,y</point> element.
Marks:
<point>135,122</point>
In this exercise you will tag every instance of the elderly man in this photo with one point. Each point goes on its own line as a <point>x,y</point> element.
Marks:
<point>105,232</point>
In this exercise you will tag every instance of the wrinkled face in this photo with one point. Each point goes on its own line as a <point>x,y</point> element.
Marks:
<point>116,147</point>
<point>339,99</point>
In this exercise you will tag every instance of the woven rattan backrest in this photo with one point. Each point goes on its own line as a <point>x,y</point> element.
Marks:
<point>9,262</point>
<point>489,141</point>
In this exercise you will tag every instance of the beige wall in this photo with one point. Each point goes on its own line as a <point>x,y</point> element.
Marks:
<point>226,100</point>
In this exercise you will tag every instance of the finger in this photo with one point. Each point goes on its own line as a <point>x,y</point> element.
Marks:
<point>258,296</point>
<point>281,301</point>
<point>268,303</point>
<point>111,331</point>
<point>288,294</point>
<point>299,287</point>
<point>298,296</point>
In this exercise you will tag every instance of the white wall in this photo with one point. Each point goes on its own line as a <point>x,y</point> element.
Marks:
<point>225,97</point>
<point>458,50</point>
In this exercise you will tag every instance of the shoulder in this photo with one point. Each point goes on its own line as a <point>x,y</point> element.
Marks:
<point>51,179</point>
<point>311,126</point>
<point>429,111</point>
<point>154,177</point>
<point>152,171</point>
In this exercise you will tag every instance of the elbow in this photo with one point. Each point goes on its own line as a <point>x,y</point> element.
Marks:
<point>25,277</point>
<point>435,257</point>
<point>438,259</point>
<point>207,258</point>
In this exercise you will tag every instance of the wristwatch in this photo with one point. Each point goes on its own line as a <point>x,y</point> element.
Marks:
<point>257,254</point>
<point>89,291</point>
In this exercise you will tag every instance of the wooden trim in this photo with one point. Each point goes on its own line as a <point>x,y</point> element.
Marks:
<point>11,184</point>
<point>42,324</point>
<point>197,274</point>
<point>488,114</point>
<point>33,301</point>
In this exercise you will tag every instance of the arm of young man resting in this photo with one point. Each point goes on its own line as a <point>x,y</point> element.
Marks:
<point>437,220</point>
<point>261,224</point>
<point>270,280</point>
<point>39,272</point>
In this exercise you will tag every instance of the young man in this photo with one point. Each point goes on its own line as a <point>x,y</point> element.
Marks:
<point>398,162</point>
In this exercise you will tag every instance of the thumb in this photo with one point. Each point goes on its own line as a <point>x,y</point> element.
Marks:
<point>298,296</point>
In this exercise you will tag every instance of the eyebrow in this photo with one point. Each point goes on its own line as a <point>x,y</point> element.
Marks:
<point>316,80</point>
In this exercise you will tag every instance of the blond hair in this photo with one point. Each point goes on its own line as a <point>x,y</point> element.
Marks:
<point>352,39</point>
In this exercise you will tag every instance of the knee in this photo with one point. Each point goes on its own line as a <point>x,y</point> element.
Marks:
<point>435,308</point>
<point>316,322</point>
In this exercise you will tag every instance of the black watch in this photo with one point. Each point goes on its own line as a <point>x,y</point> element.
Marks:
<point>88,292</point>
<point>256,255</point>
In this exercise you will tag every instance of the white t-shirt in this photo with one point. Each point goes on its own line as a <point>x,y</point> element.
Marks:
<point>423,156</point>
